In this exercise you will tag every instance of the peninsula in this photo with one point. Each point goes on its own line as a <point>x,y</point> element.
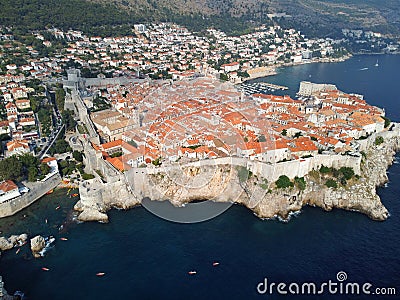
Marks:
<point>202,139</point>
<point>162,98</point>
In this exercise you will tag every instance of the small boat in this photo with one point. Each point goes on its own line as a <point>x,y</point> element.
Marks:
<point>46,221</point>
<point>19,249</point>
<point>192,272</point>
<point>215,263</point>
<point>377,64</point>
<point>363,69</point>
<point>45,269</point>
<point>58,207</point>
<point>100,274</point>
<point>64,239</point>
<point>74,195</point>
<point>50,192</point>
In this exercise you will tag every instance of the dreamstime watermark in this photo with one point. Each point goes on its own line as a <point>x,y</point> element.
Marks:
<point>340,286</point>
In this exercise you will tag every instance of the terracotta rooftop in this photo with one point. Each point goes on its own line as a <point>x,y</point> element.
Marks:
<point>7,186</point>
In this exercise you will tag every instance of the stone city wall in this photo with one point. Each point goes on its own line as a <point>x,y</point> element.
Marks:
<point>11,207</point>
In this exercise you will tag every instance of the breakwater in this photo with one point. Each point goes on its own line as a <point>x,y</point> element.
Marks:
<point>36,191</point>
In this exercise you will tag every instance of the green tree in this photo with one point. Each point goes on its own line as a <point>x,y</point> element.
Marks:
<point>60,99</point>
<point>331,183</point>
<point>379,140</point>
<point>45,120</point>
<point>325,170</point>
<point>387,121</point>
<point>68,119</point>
<point>63,164</point>
<point>11,168</point>
<point>4,137</point>
<point>347,172</point>
<point>283,182</point>
<point>86,176</point>
<point>223,77</point>
<point>28,160</point>
<point>35,104</point>
<point>44,169</point>
<point>32,174</point>
<point>60,146</point>
<point>77,156</point>
<point>116,154</point>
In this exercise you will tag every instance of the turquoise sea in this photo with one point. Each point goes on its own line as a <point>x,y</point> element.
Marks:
<point>145,257</point>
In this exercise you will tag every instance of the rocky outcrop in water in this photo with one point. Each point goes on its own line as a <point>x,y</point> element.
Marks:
<point>12,241</point>
<point>37,244</point>
<point>96,198</point>
<point>90,214</point>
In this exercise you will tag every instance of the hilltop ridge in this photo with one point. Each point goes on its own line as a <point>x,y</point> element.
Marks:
<point>312,17</point>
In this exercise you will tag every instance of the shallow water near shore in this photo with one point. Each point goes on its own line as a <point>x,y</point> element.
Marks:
<point>145,257</point>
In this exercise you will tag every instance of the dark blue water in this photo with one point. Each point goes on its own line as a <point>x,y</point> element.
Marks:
<point>145,257</point>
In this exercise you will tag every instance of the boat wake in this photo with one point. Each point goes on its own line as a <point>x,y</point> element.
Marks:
<point>283,220</point>
<point>49,245</point>
<point>290,216</point>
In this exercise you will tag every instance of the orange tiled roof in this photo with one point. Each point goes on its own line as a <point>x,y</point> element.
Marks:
<point>48,159</point>
<point>113,144</point>
<point>116,162</point>
<point>8,185</point>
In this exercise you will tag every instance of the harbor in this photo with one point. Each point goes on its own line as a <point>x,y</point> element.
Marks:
<point>260,88</point>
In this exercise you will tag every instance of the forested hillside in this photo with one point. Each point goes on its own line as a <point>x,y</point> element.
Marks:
<point>313,17</point>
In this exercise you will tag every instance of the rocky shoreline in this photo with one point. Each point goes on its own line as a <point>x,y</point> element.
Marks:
<point>224,186</point>
<point>37,244</point>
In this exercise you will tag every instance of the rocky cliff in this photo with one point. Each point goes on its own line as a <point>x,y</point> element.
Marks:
<point>227,183</point>
<point>96,198</point>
